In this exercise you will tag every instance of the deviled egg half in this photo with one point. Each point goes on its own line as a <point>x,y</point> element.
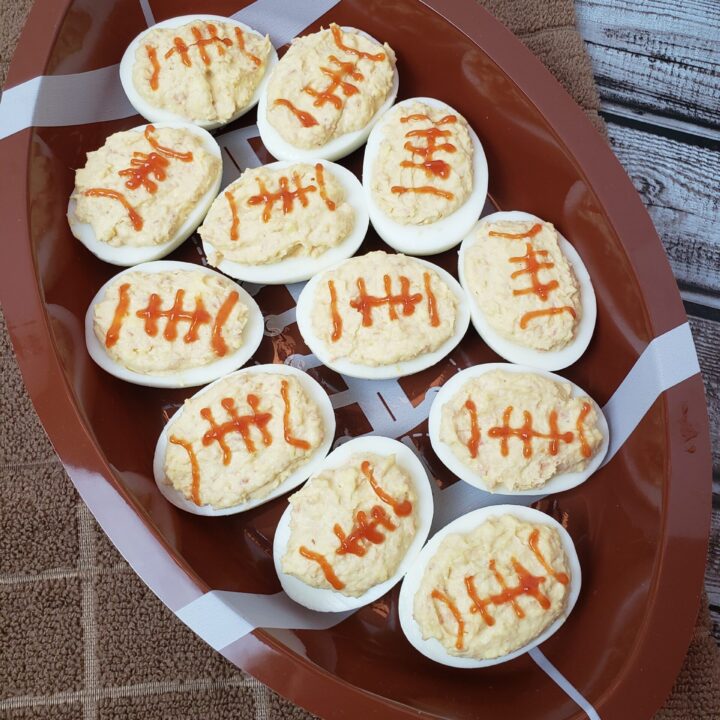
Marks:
<point>380,315</point>
<point>531,297</point>
<point>425,176</point>
<point>285,222</point>
<point>244,440</point>
<point>353,530</point>
<point>144,192</point>
<point>171,324</point>
<point>207,70</point>
<point>516,430</point>
<point>325,94</point>
<point>490,586</point>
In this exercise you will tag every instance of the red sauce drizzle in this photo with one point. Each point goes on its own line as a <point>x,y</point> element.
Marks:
<point>183,49</point>
<point>528,316</point>
<point>339,75</point>
<point>234,212</point>
<point>338,81</point>
<point>443,598</point>
<point>431,302</point>
<point>438,168</point>
<point>532,268</point>
<point>133,214</point>
<point>526,433</point>
<point>364,530</point>
<point>194,466</point>
<point>338,37</point>
<point>365,303</point>
<point>305,118</point>
<point>320,173</point>
<point>218,343</point>
<point>421,190</point>
<point>289,439</point>
<point>241,45</point>
<point>532,232</point>
<point>561,577</point>
<point>176,314</point>
<point>402,508</point>
<point>152,56</point>
<point>528,584</point>
<point>580,427</point>
<point>237,423</point>
<point>329,573</point>
<point>166,151</point>
<point>474,441</point>
<point>479,604</point>
<point>447,120</point>
<point>284,194</point>
<point>336,317</point>
<point>142,166</point>
<point>121,311</point>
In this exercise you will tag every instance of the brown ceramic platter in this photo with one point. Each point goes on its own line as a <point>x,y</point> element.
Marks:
<point>640,523</point>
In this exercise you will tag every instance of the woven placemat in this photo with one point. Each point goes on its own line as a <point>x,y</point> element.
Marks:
<point>80,635</point>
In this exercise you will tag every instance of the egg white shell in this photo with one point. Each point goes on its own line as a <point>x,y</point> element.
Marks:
<point>327,600</point>
<point>559,483</point>
<point>252,335</point>
<point>127,256</point>
<point>314,462</point>
<point>438,236</point>
<point>296,269</point>
<point>336,148</point>
<point>382,372</point>
<point>432,648</point>
<point>157,114</point>
<point>514,352</point>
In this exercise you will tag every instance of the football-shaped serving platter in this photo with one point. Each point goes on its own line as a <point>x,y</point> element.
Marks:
<point>639,524</point>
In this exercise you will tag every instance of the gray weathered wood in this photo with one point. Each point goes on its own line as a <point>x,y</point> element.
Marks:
<point>680,185</point>
<point>661,56</point>
<point>706,334</point>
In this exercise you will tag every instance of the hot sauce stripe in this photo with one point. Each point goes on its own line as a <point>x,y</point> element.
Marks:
<point>339,74</point>
<point>325,566</point>
<point>177,313</point>
<point>284,194</point>
<point>532,267</point>
<point>241,424</point>
<point>528,585</point>
<point>194,467</point>
<point>443,598</point>
<point>142,167</point>
<point>152,56</point>
<point>182,49</point>
<point>366,529</point>
<point>534,314</point>
<point>121,312</point>
<point>218,341</point>
<point>290,439</point>
<point>428,163</point>
<point>365,303</point>
<point>336,317</point>
<point>526,433</point>
<point>402,508</point>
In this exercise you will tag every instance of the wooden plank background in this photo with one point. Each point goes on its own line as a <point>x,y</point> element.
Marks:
<point>657,66</point>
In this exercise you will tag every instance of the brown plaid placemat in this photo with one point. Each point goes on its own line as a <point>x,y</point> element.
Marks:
<point>80,634</point>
